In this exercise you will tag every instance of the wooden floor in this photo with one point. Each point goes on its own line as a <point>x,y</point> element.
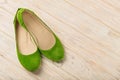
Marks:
<point>89,30</point>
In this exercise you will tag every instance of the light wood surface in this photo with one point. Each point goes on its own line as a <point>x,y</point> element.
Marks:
<point>89,30</point>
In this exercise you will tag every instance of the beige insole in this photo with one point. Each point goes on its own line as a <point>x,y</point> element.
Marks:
<point>43,36</point>
<point>25,42</point>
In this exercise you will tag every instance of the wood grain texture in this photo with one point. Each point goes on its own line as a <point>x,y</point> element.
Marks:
<point>89,30</point>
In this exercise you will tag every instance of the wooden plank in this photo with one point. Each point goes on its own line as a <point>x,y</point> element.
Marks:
<point>89,30</point>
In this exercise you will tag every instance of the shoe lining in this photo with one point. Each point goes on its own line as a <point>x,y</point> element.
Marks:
<point>43,36</point>
<point>25,42</point>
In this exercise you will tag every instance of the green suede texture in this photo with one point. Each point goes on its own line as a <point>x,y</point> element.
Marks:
<point>56,53</point>
<point>30,62</point>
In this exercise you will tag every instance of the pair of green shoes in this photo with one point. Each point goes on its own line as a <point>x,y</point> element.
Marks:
<point>33,38</point>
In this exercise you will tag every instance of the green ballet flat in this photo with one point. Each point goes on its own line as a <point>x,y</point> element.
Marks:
<point>27,51</point>
<point>47,42</point>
